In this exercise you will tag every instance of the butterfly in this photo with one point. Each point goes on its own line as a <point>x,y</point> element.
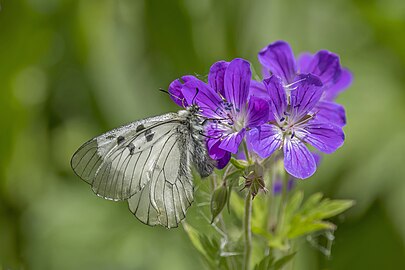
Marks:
<point>148,163</point>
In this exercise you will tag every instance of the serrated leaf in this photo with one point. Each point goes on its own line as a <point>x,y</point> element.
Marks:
<point>329,208</point>
<point>303,228</point>
<point>294,203</point>
<point>311,202</point>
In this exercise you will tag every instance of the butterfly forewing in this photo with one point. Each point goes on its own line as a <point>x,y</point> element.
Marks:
<point>118,163</point>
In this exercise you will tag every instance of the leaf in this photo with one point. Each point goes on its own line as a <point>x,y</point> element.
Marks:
<point>280,263</point>
<point>294,203</point>
<point>303,228</point>
<point>331,208</point>
<point>311,202</point>
<point>196,241</point>
<point>265,263</point>
<point>269,262</point>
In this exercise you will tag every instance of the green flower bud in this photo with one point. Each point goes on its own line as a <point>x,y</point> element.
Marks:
<point>218,201</point>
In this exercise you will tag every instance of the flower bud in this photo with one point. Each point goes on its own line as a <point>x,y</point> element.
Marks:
<point>218,201</point>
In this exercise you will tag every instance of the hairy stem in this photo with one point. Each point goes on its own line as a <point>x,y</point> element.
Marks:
<point>248,230</point>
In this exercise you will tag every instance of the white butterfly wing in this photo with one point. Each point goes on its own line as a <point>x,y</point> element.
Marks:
<point>120,163</point>
<point>165,199</point>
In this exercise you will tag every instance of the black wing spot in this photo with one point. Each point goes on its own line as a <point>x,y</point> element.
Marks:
<point>149,135</point>
<point>120,139</point>
<point>140,128</point>
<point>131,148</point>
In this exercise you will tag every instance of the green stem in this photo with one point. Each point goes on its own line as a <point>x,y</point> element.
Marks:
<point>248,230</point>
<point>246,152</point>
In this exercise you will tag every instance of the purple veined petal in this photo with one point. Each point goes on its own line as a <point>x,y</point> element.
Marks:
<point>222,162</point>
<point>277,96</point>
<point>198,92</point>
<point>298,160</point>
<point>237,82</point>
<point>326,111</point>
<point>324,136</point>
<point>175,90</point>
<point>213,149</point>
<point>303,62</point>
<point>258,112</point>
<point>257,89</point>
<point>265,140</point>
<point>326,66</point>
<point>305,96</point>
<point>216,76</point>
<point>231,142</point>
<point>344,82</point>
<point>279,59</point>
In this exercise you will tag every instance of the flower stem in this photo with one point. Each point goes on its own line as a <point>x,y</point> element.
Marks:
<point>248,230</point>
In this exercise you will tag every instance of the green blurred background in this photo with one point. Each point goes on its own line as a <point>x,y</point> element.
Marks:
<point>70,70</point>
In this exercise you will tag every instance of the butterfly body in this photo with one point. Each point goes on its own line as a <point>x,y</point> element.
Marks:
<point>148,163</point>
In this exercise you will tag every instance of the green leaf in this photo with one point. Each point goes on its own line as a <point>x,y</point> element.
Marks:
<point>266,263</point>
<point>218,201</point>
<point>195,240</point>
<point>331,208</point>
<point>269,262</point>
<point>280,263</point>
<point>311,202</point>
<point>303,228</point>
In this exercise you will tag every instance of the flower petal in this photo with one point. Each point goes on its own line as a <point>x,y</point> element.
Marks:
<point>213,149</point>
<point>344,82</point>
<point>298,160</point>
<point>199,93</point>
<point>237,82</point>
<point>279,59</point>
<point>324,136</point>
<point>304,60</point>
<point>175,90</point>
<point>325,65</point>
<point>257,89</point>
<point>222,162</point>
<point>216,76</point>
<point>277,96</point>
<point>231,142</point>
<point>330,112</point>
<point>258,112</point>
<point>265,139</point>
<point>306,95</point>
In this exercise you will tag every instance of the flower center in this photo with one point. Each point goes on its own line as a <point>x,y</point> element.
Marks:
<point>289,125</point>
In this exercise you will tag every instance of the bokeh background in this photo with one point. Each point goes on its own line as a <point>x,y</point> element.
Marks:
<point>70,70</point>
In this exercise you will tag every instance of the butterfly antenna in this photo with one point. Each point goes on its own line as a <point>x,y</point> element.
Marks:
<point>195,96</point>
<point>170,94</point>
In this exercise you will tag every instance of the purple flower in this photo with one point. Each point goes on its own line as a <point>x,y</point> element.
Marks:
<point>278,59</point>
<point>278,185</point>
<point>226,103</point>
<point>294,124</point>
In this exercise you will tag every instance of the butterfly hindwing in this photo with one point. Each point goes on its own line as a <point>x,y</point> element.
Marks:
<point>165,199</point>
